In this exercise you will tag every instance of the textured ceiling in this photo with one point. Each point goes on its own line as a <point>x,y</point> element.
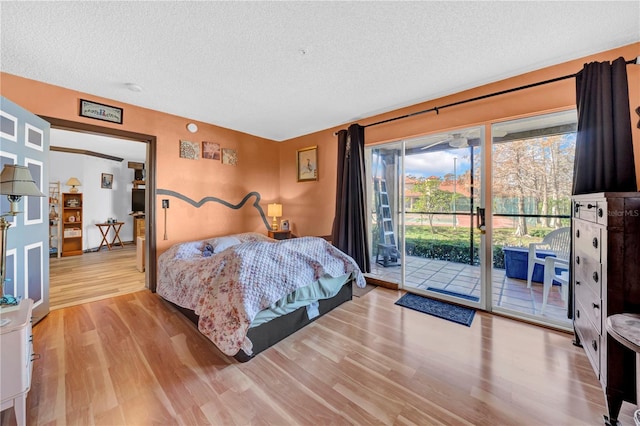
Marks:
<point>284,69</point>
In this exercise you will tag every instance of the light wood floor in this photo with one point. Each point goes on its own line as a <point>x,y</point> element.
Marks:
<point>93,276</point>
<point>134,360</point>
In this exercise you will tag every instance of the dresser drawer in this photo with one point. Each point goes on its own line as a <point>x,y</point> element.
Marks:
<point>594,211</point>
<point>588,272</point>
<point>590,306</point>
<point>589,338</point>
<point>585,210</point>
<point>602,213</point>
<point>588,239</point>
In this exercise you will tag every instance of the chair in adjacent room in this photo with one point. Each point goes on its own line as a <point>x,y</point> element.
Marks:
<point>558,242</point>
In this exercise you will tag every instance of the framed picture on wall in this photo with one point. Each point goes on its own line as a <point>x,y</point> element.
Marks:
<point>100,111</point>
<point>229,156</point>
<point>307,164</point>
<point>190,150</point>
<point>106,181</point>
<point>211,150</point>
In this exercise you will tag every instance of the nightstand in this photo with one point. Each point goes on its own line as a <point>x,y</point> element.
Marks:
<point>16,348</point>
<point>280,235</point>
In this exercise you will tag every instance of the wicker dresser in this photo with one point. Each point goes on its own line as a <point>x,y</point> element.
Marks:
<point>606,280</point>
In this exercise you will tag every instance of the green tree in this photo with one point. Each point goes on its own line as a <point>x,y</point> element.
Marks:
<point>432,199</point>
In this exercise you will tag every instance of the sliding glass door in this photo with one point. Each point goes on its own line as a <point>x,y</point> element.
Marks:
<point>428,233</point>
<point>532,175</point>
<point>425,196</point>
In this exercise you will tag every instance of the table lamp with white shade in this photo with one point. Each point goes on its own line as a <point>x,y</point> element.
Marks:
<point>73,182</point>
<point>274,210</point>
<point>15,182</point>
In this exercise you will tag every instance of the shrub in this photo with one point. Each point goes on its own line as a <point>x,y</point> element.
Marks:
<point>451,251</point>
<point>539,233</point>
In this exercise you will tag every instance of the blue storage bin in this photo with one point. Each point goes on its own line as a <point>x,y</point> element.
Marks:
<point>516,262</point>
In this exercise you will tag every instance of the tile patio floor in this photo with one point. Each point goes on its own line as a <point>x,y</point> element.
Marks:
<point>508,293</point>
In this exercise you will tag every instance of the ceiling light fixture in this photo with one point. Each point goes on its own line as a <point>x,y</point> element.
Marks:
<point>134,87</point>
<point>458,141</point>
<point>192,127</point>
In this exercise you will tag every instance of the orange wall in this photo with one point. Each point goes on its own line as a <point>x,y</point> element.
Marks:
<point>270,168</point>
<point>257,169</point>
<point>310,205</point>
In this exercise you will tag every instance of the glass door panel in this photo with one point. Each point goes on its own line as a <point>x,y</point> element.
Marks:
<point>384,169</point>
<point>442,192</point>
<point>532,175</point>
<point>432,197</point>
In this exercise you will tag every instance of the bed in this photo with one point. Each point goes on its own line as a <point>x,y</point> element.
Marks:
<point>246,292</point>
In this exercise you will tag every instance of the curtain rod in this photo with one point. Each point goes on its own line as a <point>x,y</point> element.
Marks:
<point>489,95</point>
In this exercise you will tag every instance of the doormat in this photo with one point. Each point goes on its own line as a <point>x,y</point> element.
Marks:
<point>454,293</point>
<point>437,308</point>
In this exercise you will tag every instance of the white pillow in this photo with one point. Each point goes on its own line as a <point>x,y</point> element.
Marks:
<point>223,243</point>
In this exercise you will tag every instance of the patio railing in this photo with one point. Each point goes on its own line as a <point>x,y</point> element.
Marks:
<point>449,245</point>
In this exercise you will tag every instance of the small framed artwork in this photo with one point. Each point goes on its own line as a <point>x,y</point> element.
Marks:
<point>106,181</point>
<point>190,150</point>
<point>229,156</point>
<point>100,111</point>
<point>284,225</point>
<point>307,164</point>
<point>211,150</point>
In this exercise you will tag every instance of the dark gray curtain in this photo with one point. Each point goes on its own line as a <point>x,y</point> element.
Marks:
<point>349,232</point>
<point>604,148</point>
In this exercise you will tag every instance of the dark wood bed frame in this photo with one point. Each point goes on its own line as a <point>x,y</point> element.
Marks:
<point>270,333</point>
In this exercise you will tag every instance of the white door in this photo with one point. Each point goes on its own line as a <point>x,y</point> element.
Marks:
<point>24,141</point>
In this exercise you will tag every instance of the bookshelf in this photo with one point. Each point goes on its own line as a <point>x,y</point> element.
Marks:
<point>71,224</point>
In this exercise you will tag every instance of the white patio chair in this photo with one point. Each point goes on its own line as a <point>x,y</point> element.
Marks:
<point>550,275</point>
<point>559,243</point>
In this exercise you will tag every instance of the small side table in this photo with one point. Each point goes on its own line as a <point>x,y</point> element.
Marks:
<point>625,328</point>
<point>104,230</point>
<point>16,358</point>
<point>280,235</point>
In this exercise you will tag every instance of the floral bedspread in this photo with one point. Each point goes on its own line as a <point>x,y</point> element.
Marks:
<point>228,289</point>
